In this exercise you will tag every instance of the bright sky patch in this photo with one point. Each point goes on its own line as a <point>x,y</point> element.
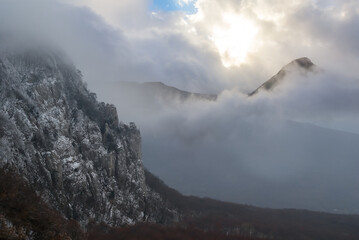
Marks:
<point>187,6</point>
<point>234,39</point>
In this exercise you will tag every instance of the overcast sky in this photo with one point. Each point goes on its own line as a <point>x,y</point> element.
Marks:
<point>244,36</point>
<point>228,47</point>
<point>195,45</point>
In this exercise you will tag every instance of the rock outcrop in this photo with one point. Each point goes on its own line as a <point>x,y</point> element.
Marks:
<point>71,148</point>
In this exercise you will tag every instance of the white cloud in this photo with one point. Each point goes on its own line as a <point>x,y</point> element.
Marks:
<point>186,50</point>
<point>117,13</point>
<point>265,35</point>
<point>235,39</point>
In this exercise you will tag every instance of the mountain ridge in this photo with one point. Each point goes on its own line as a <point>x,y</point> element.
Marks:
<point>165,92</point>
<point>303,65</point>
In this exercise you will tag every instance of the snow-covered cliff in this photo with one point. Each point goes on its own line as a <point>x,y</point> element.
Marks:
<point>71,148</point>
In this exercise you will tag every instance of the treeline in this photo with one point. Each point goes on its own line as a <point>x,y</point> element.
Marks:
<point>160,232</point>
<point>205,213</point>
<point>25,215</point>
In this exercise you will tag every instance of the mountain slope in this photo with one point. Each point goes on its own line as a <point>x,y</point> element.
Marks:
<point>70,147</point>
<point>210,214</point>
<point>150,91</point>
<point>159,90</point>
<point>24,215</point>
<point>300,65</point>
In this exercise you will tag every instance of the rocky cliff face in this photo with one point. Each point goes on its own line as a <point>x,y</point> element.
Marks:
<point>72,148</point>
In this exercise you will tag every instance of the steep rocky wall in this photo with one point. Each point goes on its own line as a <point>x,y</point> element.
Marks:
<point>69,146</point>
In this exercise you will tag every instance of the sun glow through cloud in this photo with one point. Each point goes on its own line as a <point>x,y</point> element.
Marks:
<point>234,39</point>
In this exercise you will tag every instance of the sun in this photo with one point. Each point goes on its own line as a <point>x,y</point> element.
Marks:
<point>234,39</point>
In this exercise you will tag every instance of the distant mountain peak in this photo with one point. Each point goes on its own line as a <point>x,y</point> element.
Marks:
<point>303,62</point>
<point>302,65</point>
